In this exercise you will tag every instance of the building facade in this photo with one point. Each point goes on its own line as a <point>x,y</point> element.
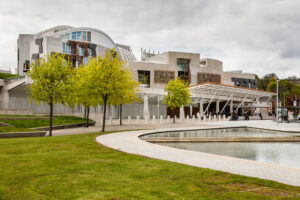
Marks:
<point>78,44</point>
<point>153,71</point>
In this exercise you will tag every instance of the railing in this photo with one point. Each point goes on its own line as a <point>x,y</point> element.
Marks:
<point>10,80</point>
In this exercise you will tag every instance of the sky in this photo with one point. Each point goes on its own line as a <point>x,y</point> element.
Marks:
<point>257,36</point>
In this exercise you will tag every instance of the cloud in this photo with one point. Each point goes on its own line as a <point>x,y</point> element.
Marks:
<point>255,36</point>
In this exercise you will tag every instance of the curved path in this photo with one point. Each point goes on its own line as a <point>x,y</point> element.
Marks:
<point>129,142</point>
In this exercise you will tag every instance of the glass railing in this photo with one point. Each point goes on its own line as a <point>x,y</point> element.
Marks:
<point>13,79</point>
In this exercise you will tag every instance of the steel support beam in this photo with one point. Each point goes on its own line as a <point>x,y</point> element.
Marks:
<point>206,109</point>
<point>226,103</point>
<point>241,104</point>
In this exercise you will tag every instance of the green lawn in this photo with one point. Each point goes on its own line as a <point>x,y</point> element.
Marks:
<point>13,129</point>
<point>32,123</point>
<point>76,167</point>
<point>5,75</point>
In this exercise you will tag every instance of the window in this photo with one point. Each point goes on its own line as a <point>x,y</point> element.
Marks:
<point>144,77</point>
<point>66,48</point>
<point>83,36</point>
<point>90,52</point>
<point>85,59</point>
<point>183,66</point>
<point>207,77</point>
<point>203,62</point>
<point>163,76</point>
<point>78,35</point>
<point>73,35</point>
<point>80,51</point>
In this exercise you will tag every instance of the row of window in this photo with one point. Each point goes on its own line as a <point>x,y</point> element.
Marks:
<point>207,77</point>
<point>166,76</point>
<point>159,76</point>
<point>78,35</point>
<point>66,49</point>
<point>163,76</point>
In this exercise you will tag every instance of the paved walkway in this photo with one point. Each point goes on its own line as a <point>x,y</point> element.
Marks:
<point>130,143</point>
<point>98,128</point>
<point>267,124</point>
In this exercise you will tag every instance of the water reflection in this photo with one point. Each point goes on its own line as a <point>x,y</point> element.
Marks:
<point>229,132</point>
<point>282,153</point>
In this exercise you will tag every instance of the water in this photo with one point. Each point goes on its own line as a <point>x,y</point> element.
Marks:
<point>282,153</point>
<point>228,132</point>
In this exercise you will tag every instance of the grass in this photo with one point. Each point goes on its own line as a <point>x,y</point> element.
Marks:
<point>13,129</point>
<point>76,167</point>
<point>33,123</point>
<point>5,75</point>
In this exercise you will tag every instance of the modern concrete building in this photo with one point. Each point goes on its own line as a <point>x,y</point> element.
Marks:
<point>76,43</point>
<point>212,89</point>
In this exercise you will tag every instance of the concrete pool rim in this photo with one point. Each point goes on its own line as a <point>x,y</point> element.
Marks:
<point>130,142</point>
<point>291,138</point>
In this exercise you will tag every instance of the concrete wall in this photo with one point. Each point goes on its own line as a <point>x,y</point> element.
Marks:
<point>226,79</point>
<point>23,45</point>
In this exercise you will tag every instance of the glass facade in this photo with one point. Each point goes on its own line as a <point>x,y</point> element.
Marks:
<point>183,67</point>
<point>66,48</point>
<point>163,76</point>
<point>144,77</point>
<point>83,35</point>
<point>73,35</point>
<point>207,77</point>
<point>80,51</point>
<point>78,35</point>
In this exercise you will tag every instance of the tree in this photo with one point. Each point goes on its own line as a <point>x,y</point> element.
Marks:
<point>50,76</point>
<point>177,94</point>
<point>109,80</point>
<point>127,94</point>
<point>262,83</point>
<point>81,91</point>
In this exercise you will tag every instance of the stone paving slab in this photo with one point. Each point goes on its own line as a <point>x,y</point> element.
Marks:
<point>129,142</point>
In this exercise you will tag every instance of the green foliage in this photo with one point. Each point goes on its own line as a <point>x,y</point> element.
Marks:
<point>108,82</point>
<point>50,77</point>
<point>80,90</point>
<point>285,88</point>
<point>177,94</point>
<point>79,168</point>
<point>262,83</point>
<point>6,76</point>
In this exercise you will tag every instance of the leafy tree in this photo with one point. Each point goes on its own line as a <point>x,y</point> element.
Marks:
<point>285,89</point>
<point>262,83</point>
<point>50,76</point>
<point>127,94</point>
<point>109,81</point>
<point>177,94</point>
<point>81,91</point>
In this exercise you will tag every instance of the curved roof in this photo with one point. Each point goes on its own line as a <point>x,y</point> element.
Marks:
<point>87,28</point>
<point>55,29</point>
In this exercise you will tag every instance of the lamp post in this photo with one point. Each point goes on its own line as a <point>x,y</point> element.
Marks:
<point>277,100</point>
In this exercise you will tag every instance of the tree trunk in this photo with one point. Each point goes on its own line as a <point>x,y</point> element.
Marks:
<point>104,113</point>
<point>51,116</point>
<point>120,114</point>
<point>84,113</point>
<point>174,116</point>
<point>87,117</point>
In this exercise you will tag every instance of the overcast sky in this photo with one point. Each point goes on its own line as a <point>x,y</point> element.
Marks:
<point>257,36</point>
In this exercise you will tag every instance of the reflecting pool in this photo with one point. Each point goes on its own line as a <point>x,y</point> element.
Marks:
<point>282,153</point>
